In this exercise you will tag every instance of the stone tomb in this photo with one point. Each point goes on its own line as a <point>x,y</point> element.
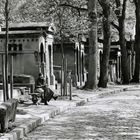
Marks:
<point>30,45</point>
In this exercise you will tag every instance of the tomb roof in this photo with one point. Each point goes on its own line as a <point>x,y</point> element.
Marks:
<point>23,34</point>
<point>30,26</point>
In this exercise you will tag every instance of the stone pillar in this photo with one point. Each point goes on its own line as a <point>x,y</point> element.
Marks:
<point>52,77</point>
<point>117,70</point>
<point>82,66</point>
<point>47,64</point>
<point>133,63</point>
<point>119,66</point>
<point>80,63</point>
<point>75,66</point>
<point>83,78</point>
<point>130,63</point>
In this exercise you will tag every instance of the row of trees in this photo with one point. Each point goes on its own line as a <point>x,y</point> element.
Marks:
<point>108,20</point>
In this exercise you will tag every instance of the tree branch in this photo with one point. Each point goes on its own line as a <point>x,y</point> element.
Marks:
<point>74,7</point>
<point>118,3</point>
<point>114,25</point>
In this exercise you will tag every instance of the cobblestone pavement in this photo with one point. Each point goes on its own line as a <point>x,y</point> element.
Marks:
<point>115,117</point>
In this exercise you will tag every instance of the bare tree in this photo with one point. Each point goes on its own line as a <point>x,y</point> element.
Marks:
<point>92,69</point>
<point>6,47</point>
<point>137,42</point>
<point>121,14</point>
<point>105,4</point>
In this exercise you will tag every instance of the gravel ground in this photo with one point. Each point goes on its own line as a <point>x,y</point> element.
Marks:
<point>115,117</point>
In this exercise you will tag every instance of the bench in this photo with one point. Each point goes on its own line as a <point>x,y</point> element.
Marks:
<point>7,113</point>
<point>29,86</point>
<point>23,94</point>
<point>23,90</point>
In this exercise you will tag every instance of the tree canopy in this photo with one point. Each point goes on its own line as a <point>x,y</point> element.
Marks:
<point>72,17</point>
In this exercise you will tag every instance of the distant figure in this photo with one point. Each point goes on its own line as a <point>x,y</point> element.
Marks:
<point>42,87</point>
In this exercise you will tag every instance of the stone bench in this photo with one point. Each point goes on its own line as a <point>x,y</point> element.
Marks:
<point>7,113</point>
<point>30,86</point>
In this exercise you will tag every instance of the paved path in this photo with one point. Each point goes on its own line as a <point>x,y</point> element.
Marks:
<point>114,117</point>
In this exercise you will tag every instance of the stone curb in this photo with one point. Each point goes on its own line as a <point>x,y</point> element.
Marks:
<point>101,95</point>
<point>19,132</point>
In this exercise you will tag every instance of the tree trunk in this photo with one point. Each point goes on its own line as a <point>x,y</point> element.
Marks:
<point>124,58</point>
<point>106,44</point>
<point>6,48</point>
<point>92,69</point>
<point>137,43</point>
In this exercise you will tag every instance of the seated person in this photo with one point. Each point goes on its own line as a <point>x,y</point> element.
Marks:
<point>41,87</point>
